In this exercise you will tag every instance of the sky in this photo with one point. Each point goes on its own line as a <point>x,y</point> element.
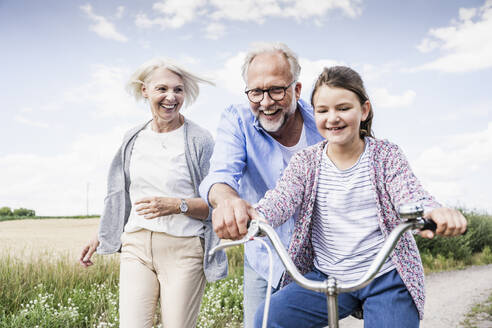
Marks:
<point>426,65</point>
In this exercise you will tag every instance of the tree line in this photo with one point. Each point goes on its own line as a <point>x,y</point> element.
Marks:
<point>7,211</point>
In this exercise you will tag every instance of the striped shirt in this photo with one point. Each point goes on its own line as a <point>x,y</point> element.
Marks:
<point>346,235</point>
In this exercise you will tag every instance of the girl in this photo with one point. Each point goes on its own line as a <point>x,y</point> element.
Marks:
<point>348,189</point>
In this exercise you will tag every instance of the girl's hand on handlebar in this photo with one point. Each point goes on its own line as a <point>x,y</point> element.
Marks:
<point>450,222</point>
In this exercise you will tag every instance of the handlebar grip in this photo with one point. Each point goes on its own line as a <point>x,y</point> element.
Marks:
<point>429,225</point>
<point>432,226</point>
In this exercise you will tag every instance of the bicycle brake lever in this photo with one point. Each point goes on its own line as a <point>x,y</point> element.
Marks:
<point>415,212</point>
<point>253,231</point>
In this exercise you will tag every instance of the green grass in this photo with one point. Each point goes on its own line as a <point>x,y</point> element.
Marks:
<point>58,292</point>
<point>44,292</point>
<point>481,312</point>
<point>447,263</point>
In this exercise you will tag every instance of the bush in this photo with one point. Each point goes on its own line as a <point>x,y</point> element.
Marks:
<point>478,236</point>
<point>5,211</point>
<point>24,212</point>
<point>479,231</point>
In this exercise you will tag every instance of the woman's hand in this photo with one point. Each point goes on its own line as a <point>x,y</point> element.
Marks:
<point>153,207</point>
<point>450,222</point>
<point>89,249</point>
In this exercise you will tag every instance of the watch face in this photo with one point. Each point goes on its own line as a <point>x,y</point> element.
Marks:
<point>183,206</point>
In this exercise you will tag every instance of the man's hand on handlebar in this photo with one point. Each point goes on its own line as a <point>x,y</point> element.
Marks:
<point>450,222</point>
<point>231,216</point>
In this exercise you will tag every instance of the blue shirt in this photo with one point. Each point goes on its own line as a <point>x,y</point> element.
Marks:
<point>250,161</point>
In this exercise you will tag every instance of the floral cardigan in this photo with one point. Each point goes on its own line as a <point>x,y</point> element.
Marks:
<point>393,183</point>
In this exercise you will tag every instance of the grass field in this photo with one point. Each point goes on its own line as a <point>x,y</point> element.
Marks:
<point>42,284</point>
<point>58,292</point>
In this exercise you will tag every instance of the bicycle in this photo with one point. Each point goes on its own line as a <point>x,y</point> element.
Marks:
<point>411,212</point>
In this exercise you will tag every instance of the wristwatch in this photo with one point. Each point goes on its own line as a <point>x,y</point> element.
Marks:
<point>183,207</point>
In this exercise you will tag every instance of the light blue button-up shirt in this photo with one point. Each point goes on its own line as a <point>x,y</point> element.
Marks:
<point>250,161</point>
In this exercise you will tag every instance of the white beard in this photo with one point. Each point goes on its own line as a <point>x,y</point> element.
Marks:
<point>274,126</point>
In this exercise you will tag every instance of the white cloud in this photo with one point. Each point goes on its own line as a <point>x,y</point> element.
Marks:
<point>258,11</point>
<point>104,95</point>
<point>175,13</point>
<point>306,9</point>
<point>56,185</point>
<point>465,45</point>
<point>427,45</point>
<point>310,70</point>
<point>467,14</point>
<point>248,10</point>
<point>378,73</point>
<point>382,98</point>
<point>229,77</point>
<point>458,169</point>
<point>102,26</point>
<point>29,122</point>
<point>214,31</point>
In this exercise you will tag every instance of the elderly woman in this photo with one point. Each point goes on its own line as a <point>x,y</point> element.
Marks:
<point>153,213</point>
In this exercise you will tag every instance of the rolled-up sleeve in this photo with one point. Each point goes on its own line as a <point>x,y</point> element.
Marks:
<point>229,157</point>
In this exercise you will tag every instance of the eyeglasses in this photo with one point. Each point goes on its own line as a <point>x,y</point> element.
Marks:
<point>275,93</point>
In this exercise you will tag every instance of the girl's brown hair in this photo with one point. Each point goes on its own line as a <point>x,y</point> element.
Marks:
<point>346,78</point>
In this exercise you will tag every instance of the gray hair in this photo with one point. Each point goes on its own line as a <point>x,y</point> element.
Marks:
<point>266,47</point>
<point>144,72</point>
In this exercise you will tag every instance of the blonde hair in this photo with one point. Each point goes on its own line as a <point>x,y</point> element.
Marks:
<point>266,47</point>
<point>144,72</point>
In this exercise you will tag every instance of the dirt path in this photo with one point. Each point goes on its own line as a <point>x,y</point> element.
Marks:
<point>449,296</point>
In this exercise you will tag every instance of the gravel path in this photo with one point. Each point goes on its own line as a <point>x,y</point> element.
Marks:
<point>449,296</point>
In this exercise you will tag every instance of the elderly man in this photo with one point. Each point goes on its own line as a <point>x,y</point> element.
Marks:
<point>253,146</point>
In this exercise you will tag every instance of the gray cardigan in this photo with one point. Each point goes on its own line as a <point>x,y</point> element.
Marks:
<point>117,205</point>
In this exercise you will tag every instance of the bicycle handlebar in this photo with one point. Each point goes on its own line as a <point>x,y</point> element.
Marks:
<point>412,212</point>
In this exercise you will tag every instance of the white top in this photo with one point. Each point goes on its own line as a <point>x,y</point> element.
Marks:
<point>158,169</point>
<point>287,152</point>
<point>346,235</point>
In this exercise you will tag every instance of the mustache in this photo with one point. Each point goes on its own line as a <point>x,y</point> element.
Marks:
<point>273,107</point>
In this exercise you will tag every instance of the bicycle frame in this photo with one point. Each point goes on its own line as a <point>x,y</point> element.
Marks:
<point>412,212</point>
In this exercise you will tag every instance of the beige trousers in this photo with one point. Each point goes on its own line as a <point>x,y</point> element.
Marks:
<point>156,264</point>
